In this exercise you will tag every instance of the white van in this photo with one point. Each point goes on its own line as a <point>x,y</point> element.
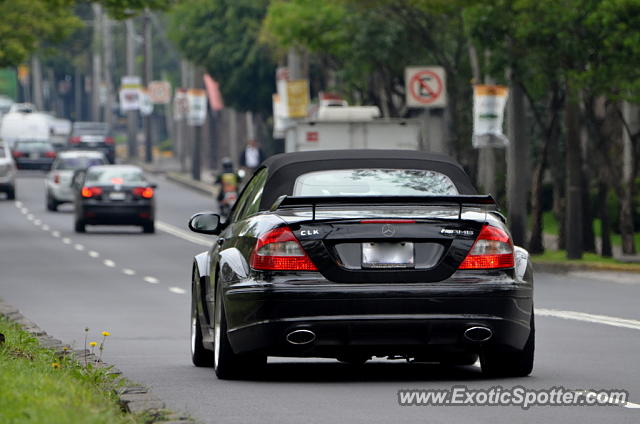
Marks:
<point>25,126</point>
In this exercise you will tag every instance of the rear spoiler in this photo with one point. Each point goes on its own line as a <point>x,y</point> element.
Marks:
<point>313,201</point>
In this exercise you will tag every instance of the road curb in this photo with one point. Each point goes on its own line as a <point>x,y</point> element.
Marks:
<point>563,268</point>
<point>133,398</point>
<point>188,182</point>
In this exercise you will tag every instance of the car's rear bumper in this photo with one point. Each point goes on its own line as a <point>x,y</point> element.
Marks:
<point>117,214</point>
<point>34,163</point>
<point>382,319</point>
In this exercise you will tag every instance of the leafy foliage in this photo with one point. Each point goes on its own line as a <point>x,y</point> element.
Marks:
<point>222,36</point>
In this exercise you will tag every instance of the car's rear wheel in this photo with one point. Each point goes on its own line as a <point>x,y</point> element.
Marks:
<point>200,356</point>
<point>52,204</point>
<point>227,364</point>
<point>512,363</point>
<point>11,194</point>
<point>80,226</point>
<point>149,227</point>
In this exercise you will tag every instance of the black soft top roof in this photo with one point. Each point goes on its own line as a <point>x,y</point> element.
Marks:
<point>283,169</point>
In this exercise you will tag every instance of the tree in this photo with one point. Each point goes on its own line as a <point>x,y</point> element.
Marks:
<point>222,37</point>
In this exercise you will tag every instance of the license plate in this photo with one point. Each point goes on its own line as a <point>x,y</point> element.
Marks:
<point>387,255</point>
<point>34,155</point>
<point>116,195</point>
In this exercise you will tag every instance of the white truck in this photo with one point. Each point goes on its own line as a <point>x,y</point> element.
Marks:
<point>352,127</point>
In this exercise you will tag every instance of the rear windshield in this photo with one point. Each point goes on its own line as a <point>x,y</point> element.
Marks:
<point>78,163</point>
<point>33,146</point>
<point>114,176</point>
<point>91,129</point>
<point>374,182</point>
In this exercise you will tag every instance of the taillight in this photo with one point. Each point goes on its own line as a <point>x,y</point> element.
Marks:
<point>280,250</point>
<point>75,140</point>
<point>144,192</point>
<point>492,249</point>
<point>50,154</point>
<point>108,140</point>
<point>88,192</point>
<point>56,178</point>
<point>17,154</point>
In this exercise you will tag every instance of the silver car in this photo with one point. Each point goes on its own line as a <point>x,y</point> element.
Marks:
<point>7,171</point>
<point>58,182</point>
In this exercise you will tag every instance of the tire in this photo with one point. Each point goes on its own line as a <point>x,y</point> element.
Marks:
<point>510,364</point>
<point>227,364</point>
<point>80,226</point>
<point>149,228</point>
<point>11,194</point>
<point>52,204</point>
<point>200,356</point>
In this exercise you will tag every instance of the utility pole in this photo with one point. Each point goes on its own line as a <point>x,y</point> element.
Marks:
<point>96,80</point>
<point>183,129</point>
<point>196,162</point>
<point>132,115</point>
<point>574,166</point>
<point>517,151</point>
<point>107,62</point>
<point>36,73</point>
<point>148,76</point>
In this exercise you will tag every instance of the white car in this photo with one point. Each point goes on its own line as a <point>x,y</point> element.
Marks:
<point>7,171</point>
<point>58,182</point>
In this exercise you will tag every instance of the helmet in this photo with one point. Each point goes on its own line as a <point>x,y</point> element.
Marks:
<point>227,165</point>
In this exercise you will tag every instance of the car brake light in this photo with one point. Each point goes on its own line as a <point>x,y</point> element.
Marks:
<point>108,140</point>
<point>144,192</point>
<point>492,249</point>
<point>280,250</point>
<point>75,140</point>
<point>50,154</point>
<point>17,154</point>
<point>88,192</point>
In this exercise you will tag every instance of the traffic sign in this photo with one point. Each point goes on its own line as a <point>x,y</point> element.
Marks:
<point>425,87</point>
<point>160,92</point>
<point>197,113</point>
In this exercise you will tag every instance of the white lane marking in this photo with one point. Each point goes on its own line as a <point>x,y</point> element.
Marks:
<point>175,231</point>
<point>45,227</point>
<point>55,233</point>
<point>18,204</point>
<point>79,247</point>
<point>109,263</point>
<point>128,271</point>
<point>66,240</point>
<point>93,254</point>
<point>177,290</point>
<point>37,222</point>
<point>24,211</point>
<point>583,316</point>
<point>151,280</point>
<point>30,217</point>
<point>606,276</point>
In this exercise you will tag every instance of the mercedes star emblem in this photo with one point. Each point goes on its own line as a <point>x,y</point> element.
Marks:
<point>388,230</point>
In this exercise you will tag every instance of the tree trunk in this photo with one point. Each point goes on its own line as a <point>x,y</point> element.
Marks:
<point>574,211</point>
<point>588,236</point>
<point>626,221</point>
<point>536,244</point>
<point>605,223</point>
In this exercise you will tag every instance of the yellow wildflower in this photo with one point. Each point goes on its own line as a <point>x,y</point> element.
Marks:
<point>93,344</point>
<point>106,333</point>
<point>55,365</point>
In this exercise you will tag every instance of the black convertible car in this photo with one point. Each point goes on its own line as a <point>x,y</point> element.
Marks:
<point>353,254</point>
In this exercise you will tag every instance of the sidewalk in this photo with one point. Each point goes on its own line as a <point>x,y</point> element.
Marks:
<point>170,167</point>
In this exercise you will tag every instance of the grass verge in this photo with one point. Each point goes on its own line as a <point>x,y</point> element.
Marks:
<point>39,386</point>
<point>589,260</point>
<point>552,226</point>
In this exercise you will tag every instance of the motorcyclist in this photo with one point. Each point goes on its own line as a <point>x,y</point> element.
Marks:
<point>228,183</point>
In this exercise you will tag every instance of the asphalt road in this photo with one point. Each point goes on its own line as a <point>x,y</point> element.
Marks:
<point>136,286</point>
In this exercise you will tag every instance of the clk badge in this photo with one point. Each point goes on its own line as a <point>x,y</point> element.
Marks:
<point>388,230</point>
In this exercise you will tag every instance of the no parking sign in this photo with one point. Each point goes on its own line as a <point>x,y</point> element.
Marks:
<point>425,87</point>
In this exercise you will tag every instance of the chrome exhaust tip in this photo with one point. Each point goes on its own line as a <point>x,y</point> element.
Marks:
<point>478,334</point>
<point>301,337</point>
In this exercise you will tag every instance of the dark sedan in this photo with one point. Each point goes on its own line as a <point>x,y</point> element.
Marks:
<point>114,195</point>
<point>93,136</point>
<point>34,154</point>
<point>353,254</point>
